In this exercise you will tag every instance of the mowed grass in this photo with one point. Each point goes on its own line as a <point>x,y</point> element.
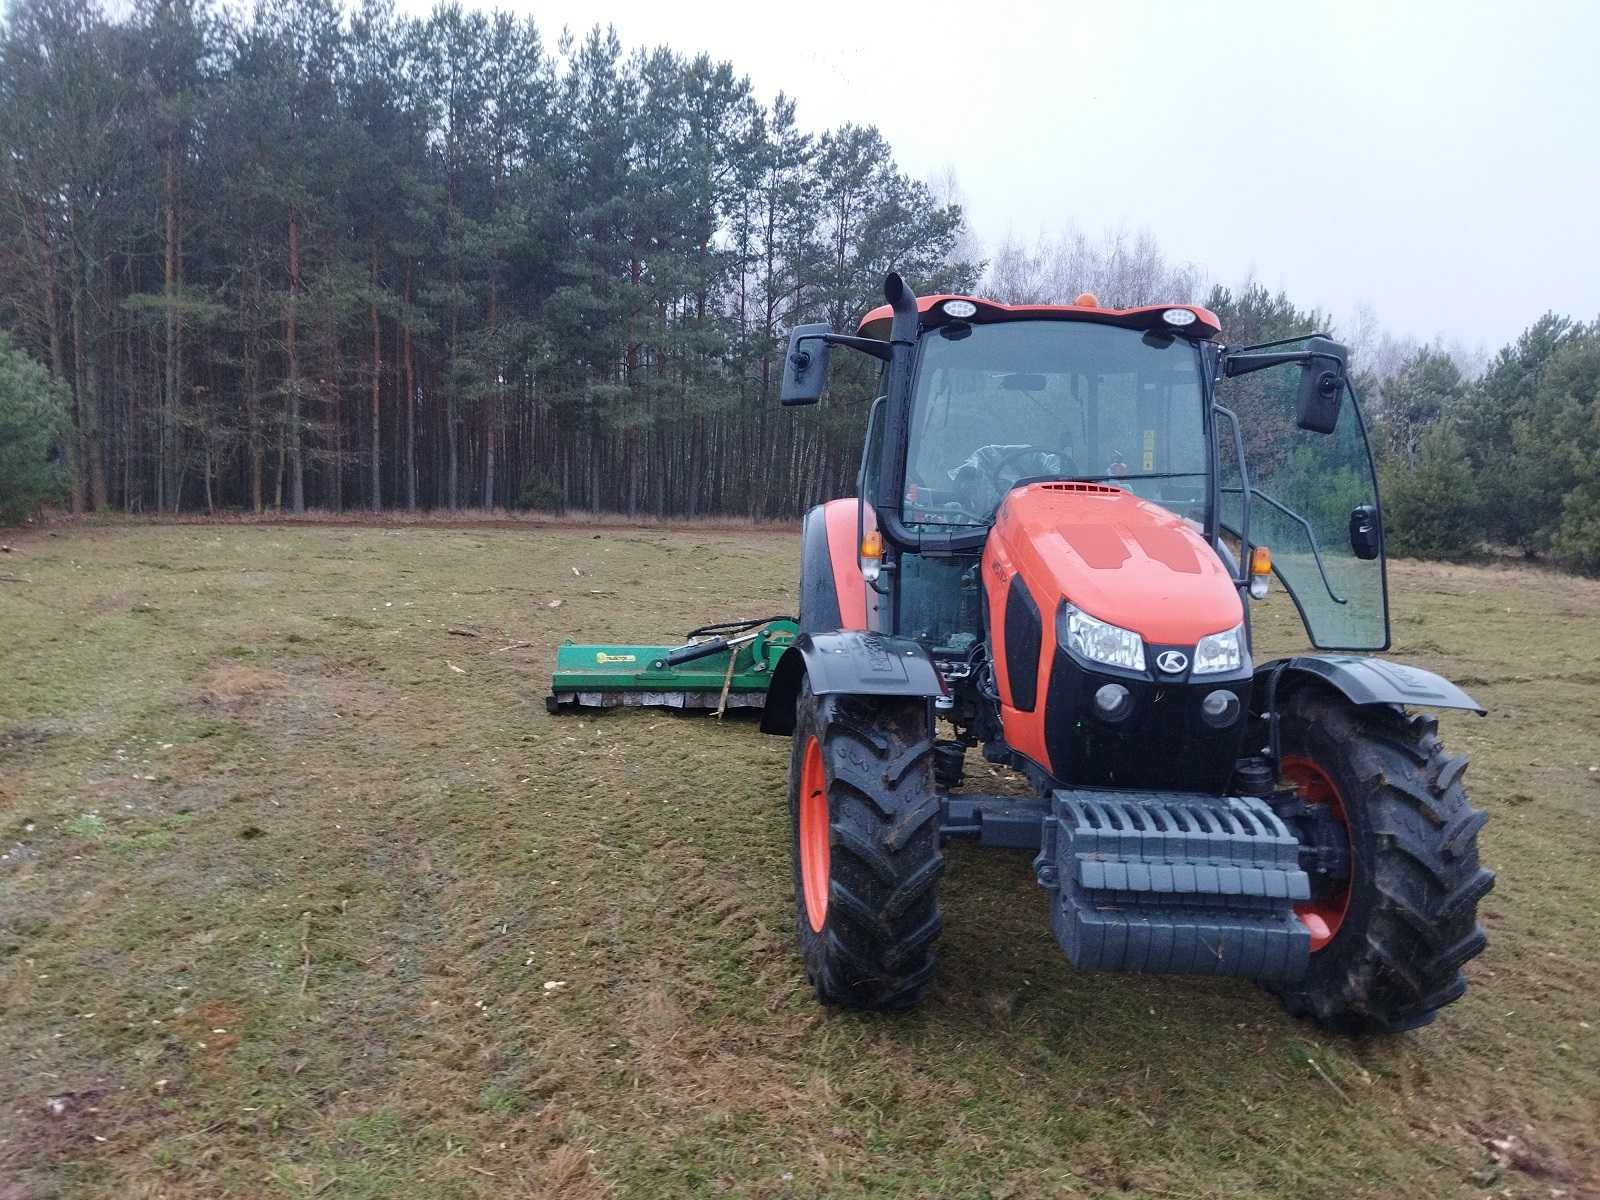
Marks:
<point>304,895</point>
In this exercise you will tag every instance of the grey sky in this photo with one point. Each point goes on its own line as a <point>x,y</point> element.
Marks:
<point>1439,162</point>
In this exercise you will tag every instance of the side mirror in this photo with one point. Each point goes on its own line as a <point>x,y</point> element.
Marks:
<point>805,365</point>
<point>1321,390</point>
<point>1366,538</point>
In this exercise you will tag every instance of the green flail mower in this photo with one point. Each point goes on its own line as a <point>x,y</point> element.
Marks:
<point>719,667</point>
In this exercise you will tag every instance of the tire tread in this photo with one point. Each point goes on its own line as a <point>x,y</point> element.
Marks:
<point>1426,880</point>
<point>876,950</point>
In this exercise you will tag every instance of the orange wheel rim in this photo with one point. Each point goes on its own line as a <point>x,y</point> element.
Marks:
<point>1322,916</point>
<point>814,834</point>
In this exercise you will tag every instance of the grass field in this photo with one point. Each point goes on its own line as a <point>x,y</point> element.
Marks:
<point>304,895</point>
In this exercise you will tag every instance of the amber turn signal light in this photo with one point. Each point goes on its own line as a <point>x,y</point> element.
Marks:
<point>871,559</point>
<point>1260,572</point>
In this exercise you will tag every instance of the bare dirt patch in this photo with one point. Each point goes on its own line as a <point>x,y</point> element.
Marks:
<point>231,685</point>
<point>18,738</point>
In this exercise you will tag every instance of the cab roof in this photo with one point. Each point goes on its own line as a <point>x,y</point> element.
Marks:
<point>930,308</point>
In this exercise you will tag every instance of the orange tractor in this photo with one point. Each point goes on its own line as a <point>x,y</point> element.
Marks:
<point>1063,515</point>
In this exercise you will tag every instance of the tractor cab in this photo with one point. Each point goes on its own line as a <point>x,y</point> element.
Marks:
<point>1250,447</point>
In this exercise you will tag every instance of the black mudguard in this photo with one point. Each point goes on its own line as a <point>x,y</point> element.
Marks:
<point>849,662</point>
<point>1361,681</point>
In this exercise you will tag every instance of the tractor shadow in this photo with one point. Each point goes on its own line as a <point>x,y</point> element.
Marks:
<point>1002,972</point>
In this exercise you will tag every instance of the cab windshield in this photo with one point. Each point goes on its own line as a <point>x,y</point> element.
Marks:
<point>1021,400</point>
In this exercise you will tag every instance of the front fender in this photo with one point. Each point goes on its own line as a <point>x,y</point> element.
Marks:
<point>849,661</point>
<point>1363,681</point>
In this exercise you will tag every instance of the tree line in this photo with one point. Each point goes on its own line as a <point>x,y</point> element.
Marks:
<point>348,259</point>
<point>319,257</point>
<point>1509,458</point>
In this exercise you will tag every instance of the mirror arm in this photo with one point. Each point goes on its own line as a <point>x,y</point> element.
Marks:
<point>1285,341</point>
<point>876,347</point>
<point>1244,364</point>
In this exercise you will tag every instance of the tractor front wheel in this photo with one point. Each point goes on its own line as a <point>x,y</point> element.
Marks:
<point>1388,942</point>
<point>864,819</point>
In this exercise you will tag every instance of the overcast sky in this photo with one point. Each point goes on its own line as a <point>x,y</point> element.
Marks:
<point>1439,162</point>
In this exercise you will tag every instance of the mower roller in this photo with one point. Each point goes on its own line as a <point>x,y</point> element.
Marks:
<point>1063,513</point>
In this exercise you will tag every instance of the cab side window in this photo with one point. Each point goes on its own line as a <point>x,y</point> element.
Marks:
<point>870,455</point>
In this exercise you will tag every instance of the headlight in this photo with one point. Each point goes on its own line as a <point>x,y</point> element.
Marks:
<point>1217,652</point>
<point>1098,641</point>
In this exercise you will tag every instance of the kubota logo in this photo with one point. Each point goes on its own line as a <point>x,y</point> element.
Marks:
<point>1172,662</point>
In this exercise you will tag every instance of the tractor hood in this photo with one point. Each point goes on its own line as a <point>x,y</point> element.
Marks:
<point>1115,556</point>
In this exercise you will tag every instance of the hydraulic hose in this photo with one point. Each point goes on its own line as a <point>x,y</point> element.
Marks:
<point>719,637</point>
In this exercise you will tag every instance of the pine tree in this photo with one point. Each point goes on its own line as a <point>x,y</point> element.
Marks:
<point>34,422</point>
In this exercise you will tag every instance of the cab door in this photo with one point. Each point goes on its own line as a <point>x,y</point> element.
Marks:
<point>1312,501</point>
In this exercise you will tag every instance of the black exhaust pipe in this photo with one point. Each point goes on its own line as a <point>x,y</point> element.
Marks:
<point>900,297</point>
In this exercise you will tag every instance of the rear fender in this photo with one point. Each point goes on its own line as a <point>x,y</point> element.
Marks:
<point>851,662</point>
<point>833,594</point>
<point>1360,680</point>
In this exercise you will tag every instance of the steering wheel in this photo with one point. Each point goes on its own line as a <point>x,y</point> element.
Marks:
<point>993,480</point>
<point>997,472</point>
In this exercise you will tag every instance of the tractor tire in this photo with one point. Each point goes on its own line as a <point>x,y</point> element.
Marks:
<point>1392,945</point>
<point>864,824</point>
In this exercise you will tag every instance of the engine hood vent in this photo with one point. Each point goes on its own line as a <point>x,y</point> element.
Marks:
<point>1080,488</point>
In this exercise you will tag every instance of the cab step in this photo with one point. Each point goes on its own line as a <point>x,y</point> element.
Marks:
<point>1174,882</point>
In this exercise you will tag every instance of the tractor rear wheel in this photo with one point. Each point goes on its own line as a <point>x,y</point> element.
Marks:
<point>1388,945</point>
<point>864,819</point>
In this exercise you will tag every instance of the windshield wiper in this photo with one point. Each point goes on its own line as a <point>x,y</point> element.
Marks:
<point>1144,475</point>
<point>1102,478</point>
